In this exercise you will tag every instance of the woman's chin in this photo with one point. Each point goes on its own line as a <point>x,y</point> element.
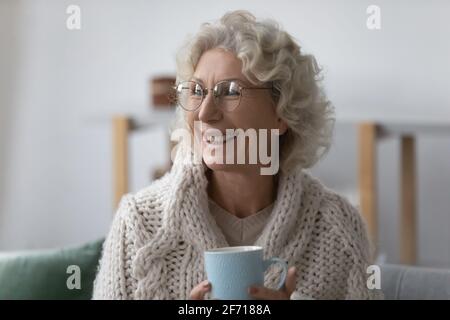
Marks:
<point>216,164</point>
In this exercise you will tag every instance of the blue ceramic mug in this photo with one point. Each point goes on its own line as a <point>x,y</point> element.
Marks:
<point>232,270</point>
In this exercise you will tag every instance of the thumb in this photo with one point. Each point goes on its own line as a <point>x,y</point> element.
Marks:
<point>200,290</point>
<point>291,280</point>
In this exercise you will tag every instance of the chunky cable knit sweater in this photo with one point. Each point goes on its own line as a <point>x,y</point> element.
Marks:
<point>154,249</point>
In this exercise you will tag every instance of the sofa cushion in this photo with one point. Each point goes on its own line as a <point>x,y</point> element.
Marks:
<point>400,282</point>
<point>43,274</point>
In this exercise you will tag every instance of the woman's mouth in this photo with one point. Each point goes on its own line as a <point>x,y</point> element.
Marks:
<point>218,139</point>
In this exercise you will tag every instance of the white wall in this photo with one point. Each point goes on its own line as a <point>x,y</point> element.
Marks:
<point>58,88</point>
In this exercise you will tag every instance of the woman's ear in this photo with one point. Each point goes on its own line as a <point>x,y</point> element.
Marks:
<point>282,126</point>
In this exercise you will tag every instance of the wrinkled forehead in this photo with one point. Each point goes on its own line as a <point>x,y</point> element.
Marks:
<point>217,65</point>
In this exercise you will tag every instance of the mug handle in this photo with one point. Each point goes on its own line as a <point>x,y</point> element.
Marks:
<point>283,264</point>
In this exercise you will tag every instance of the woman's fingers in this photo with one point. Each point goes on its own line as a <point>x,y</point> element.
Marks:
<point>270,294</point>
<point>199,291</point>
<point>291,280</point>
<point>264,293</point>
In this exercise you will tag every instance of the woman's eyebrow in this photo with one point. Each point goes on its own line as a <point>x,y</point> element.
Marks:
<point>225,79</point>
<point>234,79</point>
<point>196,79</point>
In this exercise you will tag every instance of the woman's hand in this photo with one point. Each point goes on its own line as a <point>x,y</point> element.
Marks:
<point>284,293</point>
<point>199,291</point>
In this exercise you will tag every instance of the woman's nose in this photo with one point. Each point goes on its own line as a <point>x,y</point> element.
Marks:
<point>208,109</point>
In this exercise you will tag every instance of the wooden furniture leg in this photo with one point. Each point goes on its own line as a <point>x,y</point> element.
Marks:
<point>121,128</point>
<point>408,196</point>
<point>367,177</point>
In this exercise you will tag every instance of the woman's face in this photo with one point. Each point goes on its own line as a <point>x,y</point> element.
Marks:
<point>255,111</point>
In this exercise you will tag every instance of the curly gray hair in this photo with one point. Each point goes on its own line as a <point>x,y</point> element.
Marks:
<point>270,55</point>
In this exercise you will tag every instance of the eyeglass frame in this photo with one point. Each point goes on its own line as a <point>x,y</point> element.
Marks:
<point>206,90</point>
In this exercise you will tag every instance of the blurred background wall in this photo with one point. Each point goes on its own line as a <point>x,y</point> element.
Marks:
<point>59,88</point>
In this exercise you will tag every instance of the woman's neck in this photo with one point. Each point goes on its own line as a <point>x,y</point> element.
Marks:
<point>242,193</point>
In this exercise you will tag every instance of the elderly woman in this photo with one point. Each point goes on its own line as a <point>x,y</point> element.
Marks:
<point>236,76</point>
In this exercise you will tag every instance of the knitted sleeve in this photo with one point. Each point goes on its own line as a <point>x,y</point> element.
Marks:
<point>334,263</point>
<point>360,252</point>
<point>113,280</point>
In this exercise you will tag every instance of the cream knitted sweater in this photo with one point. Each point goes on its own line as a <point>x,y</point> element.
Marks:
<point>240,231</point>
<point>154,249</point>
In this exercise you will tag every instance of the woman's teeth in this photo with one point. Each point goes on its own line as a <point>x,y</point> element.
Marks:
<point>219,139</point>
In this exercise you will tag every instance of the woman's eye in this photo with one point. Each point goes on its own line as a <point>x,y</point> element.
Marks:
<point>232,90</point>
<point>196,91</point>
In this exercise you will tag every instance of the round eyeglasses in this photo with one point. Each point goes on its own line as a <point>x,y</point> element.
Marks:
<point>227,94</point>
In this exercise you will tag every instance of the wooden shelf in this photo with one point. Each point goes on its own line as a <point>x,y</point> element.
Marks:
<point>151,119</point>
<point>405,126</point>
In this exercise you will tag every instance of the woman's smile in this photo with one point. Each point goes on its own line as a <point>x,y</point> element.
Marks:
<point>215,139</point>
